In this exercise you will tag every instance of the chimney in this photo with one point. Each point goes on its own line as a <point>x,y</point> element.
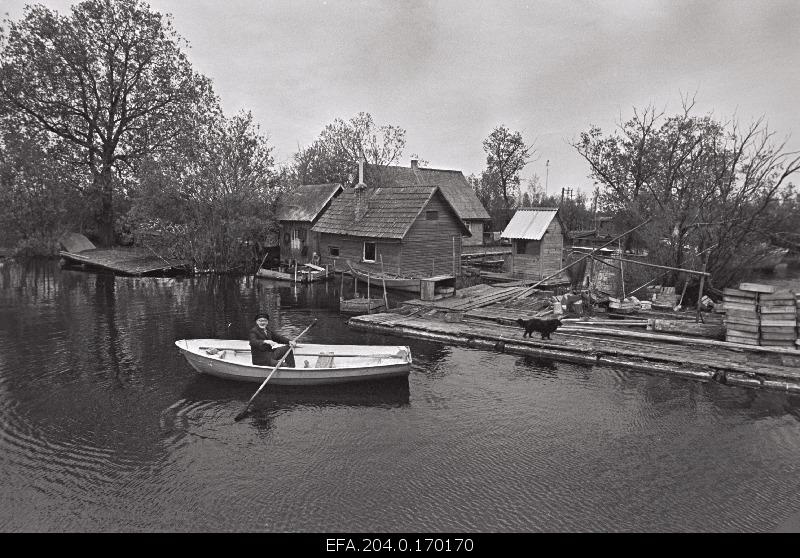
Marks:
<point>361,173</point>
<point>360,191</point>
<point>414,164</point>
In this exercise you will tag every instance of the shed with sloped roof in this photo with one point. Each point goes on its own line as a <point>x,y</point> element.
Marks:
<point>537,241</point>
<point>297,213</point>
<point>412,231</point>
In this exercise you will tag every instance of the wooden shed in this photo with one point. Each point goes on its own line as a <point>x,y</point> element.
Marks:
<point>412,231</point>
<point>537,241</point>
<point>297,213</point>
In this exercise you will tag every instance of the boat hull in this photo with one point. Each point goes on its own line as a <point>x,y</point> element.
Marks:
<point>408,284</point>
<point>303,276</point>
<point>350,363</point>
<point>361,305</point>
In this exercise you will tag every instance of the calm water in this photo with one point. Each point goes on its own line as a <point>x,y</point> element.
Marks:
<point>104,427</point>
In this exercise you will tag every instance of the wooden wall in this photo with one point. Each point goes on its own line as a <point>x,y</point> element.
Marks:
<point>541,258</point>
<point>427,249</point>
<point>293,249</point>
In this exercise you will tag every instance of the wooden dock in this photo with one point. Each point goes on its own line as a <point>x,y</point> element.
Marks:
<point>696,359</point>
<point>125,261</point>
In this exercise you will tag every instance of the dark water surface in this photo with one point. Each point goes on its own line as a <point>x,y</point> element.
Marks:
<point>104,427</point>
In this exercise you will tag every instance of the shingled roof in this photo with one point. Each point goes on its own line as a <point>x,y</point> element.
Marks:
<point>306,202</point>
<point>452,184</point>
<point>390,213</point>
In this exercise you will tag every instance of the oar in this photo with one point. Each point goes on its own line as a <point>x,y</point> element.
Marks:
<point>241,415</point>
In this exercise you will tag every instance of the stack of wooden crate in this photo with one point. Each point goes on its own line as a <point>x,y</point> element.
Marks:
<point>741,316</point>
<point>778,313</point>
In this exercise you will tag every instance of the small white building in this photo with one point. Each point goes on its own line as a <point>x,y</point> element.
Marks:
<point>537,241</point>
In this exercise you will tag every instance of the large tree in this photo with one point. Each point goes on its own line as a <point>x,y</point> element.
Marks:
<point>212,197</point>
<point>711,188</point>
<point>334,154</point>
<point>110,79</point>
<point>506,156</point>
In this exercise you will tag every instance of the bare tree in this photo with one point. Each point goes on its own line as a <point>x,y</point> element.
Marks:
<point>708,184</point>
<point>333,156</point>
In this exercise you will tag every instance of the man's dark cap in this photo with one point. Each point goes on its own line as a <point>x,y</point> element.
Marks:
<point>262,315</point>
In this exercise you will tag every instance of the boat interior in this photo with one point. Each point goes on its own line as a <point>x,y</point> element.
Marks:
<point>319,359</point>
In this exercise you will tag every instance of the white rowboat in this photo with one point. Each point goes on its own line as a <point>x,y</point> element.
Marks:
<point>316,364</point>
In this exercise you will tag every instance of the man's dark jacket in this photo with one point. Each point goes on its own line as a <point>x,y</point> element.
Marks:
<point>263,354</point>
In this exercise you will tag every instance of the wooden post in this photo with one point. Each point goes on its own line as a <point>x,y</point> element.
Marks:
<point>454,255</point>
<point>699,317</point>
<point>295,271</point>
<point>683,293</point>
<point>621,269</point>
<point>369,300</point>
<point>383,280</point>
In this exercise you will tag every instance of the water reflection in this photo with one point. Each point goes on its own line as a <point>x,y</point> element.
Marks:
<point>387,393</point>
<point>755,404</point>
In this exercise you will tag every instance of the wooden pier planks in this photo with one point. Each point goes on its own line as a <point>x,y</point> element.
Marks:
<point>775,368</point>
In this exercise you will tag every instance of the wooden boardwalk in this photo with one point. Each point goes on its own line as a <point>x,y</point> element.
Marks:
<point>697,359</point>
<point>126,261</point>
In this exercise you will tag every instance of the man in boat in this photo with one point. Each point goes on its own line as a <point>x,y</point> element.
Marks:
<point>268,346</point>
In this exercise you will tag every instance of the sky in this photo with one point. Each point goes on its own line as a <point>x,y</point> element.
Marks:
<point>450,71</point>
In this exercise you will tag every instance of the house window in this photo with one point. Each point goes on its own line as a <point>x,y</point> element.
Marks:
<point>431,215</point>
<point>369,251</point>
<point>333,251</point>
<point>521,245</point>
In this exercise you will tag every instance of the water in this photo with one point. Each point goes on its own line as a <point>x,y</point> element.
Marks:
<point>104,427</point>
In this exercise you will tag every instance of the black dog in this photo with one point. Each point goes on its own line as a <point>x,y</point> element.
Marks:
<point>545,327</point>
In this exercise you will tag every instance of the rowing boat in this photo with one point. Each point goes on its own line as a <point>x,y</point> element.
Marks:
<point>361,305</point>
<point>392,281</point>
<point>316,364</point>
<point>306,273</point>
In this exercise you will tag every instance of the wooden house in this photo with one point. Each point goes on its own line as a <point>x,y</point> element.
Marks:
<point>451,183</point>
<point>297,213</point>
<point>412,231</point>
<point>537,241</point>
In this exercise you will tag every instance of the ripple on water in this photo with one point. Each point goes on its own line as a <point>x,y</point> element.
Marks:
<point>104,426</point>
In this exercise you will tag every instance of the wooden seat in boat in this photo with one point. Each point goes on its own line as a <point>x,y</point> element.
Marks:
<point>325,360</point>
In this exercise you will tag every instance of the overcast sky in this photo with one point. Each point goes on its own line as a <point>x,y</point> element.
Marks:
<point>448,72</point>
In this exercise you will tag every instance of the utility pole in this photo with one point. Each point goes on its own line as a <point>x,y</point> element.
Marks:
<point>546,176</point>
